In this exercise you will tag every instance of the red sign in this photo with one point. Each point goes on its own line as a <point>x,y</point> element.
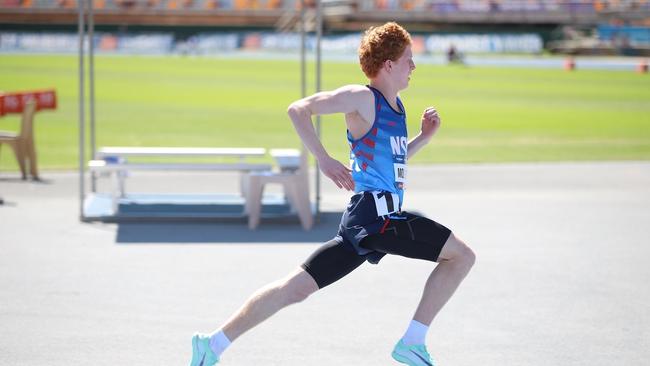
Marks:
<point>15,102</point>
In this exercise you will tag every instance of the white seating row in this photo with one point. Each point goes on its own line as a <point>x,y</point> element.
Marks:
<point>291,173</point>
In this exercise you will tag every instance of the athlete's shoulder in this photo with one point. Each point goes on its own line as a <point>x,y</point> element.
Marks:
<point>359,95</point>
<point>356,90</point>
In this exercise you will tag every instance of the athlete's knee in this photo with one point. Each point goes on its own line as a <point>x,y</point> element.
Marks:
<point>458,251</point>
<point>469,257</point>
<point>299,287</point>
<point>296,295</point>
<point>465,254</point>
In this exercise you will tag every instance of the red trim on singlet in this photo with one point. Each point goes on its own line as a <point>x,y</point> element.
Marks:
<point>383,228</point>
<point>363,154</point>
<point>369,142</point>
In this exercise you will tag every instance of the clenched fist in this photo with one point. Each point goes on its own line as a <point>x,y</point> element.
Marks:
<point>430,122</point>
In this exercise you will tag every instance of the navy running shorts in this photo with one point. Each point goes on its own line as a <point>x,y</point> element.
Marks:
<point>399,233</point>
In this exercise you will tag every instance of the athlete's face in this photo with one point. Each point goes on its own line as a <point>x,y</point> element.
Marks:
<point>403,67</point>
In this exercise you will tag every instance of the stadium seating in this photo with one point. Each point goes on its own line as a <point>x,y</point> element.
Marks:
<point>487,6</point>
<point>268,13</point>
<point>441,6</point>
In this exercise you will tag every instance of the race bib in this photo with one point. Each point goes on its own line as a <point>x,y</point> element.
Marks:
<point>385,202</point>
<point>400,172</point>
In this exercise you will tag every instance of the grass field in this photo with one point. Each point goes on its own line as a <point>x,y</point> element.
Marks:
<point>489,114</point>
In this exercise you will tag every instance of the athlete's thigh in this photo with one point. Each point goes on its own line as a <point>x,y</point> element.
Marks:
<point>410,235</point>
<point>331,262</point>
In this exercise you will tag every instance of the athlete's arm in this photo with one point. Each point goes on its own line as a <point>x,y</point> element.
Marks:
<point>430,124</point>
<point>347,99</point>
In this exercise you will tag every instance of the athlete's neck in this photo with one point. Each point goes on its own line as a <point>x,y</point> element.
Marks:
<point>388,91</point>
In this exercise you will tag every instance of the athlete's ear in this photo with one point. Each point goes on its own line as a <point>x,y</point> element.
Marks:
<point>388,64</point>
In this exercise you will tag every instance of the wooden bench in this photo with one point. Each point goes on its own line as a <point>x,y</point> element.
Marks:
<point>22,142</point>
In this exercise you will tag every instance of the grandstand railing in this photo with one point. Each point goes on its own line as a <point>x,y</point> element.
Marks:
<point>269,12</point>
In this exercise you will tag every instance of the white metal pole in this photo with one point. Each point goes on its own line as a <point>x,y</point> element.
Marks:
<point>319,34</point>
<point>303,61</point>
<point>303,90</point>
<point>82,188</point>
<point>91,86</point>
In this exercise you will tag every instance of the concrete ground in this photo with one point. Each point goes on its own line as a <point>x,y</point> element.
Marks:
<point>561,277</point>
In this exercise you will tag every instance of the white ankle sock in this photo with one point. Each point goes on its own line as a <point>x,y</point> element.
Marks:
<point>415,334</point>
<point>219,342</point>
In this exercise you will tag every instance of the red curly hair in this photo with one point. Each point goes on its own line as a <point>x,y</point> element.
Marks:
<point>386,42</point>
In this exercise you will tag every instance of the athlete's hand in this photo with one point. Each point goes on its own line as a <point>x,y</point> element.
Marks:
<point>430,122</point>
<point>337,172</point>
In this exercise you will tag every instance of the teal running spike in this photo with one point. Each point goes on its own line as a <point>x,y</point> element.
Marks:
<point>414,355</point>
<point>202,354</point>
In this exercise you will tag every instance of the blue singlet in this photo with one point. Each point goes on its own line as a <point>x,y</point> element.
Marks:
<point>378,163</point>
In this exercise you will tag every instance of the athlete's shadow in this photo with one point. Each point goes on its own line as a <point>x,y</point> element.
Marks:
<point>287,231</point>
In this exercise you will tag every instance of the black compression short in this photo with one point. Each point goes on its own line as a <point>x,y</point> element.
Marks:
<point>406,234</point>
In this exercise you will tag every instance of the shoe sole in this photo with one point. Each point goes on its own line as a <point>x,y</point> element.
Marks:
<point>399,358</point>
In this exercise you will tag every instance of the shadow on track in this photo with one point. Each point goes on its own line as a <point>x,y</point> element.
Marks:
<point>287,231</point>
